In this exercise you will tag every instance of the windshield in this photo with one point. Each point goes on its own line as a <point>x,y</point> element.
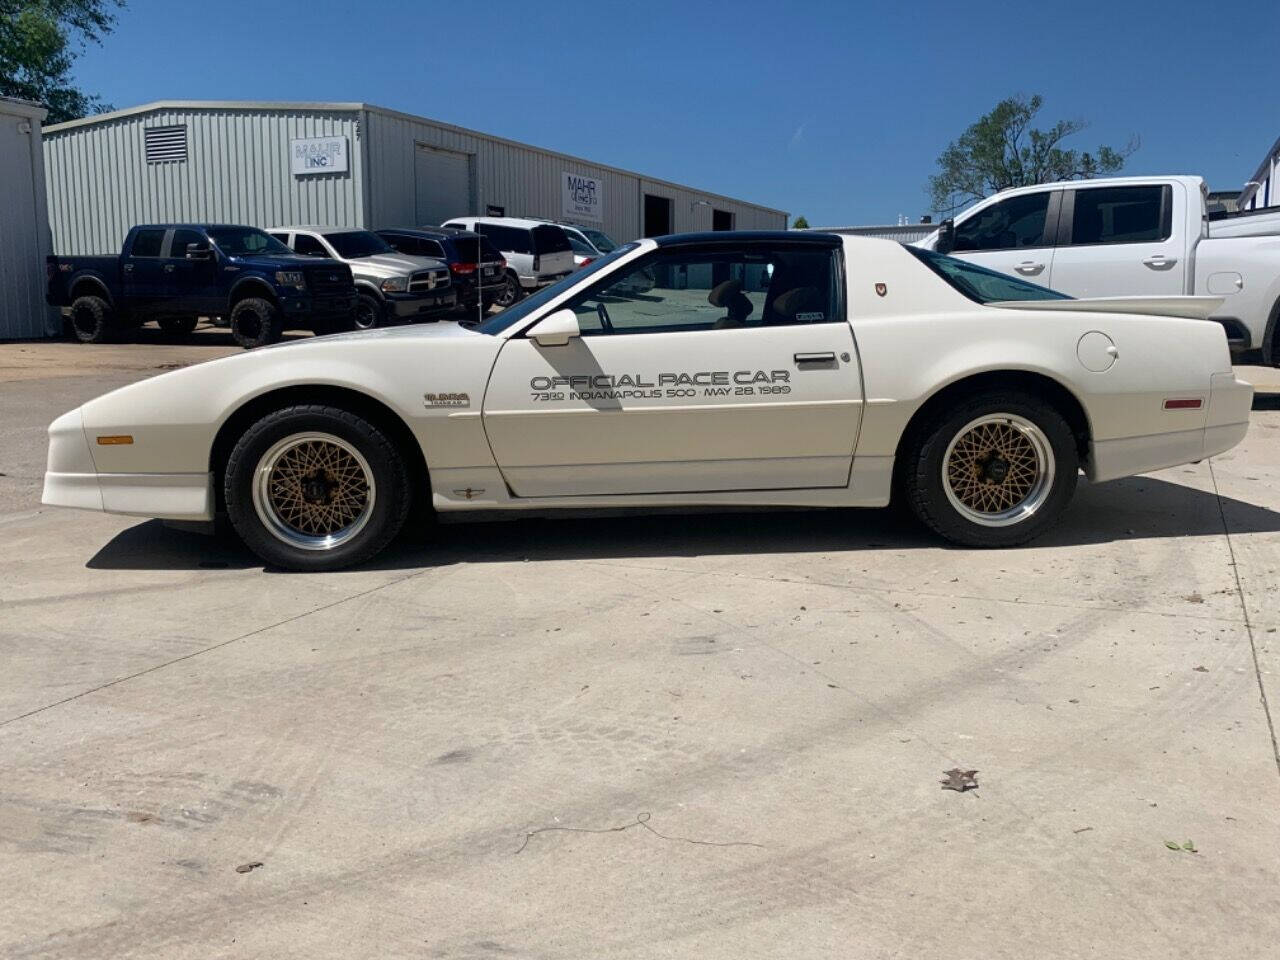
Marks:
<point>354,244</point>
<point>580,246</point>
<point>602,241</point>
<point>514,314</point>
<point>246,242</point>
<point>979,283</point>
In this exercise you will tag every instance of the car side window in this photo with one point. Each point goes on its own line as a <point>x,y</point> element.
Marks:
<point>401,243</point>
<point>429,248</point>
<point>1007,225</point>
<point>309,246</point>
<point>1139,214</point>
<point>147,243</point>
<point>178,245</point>
<point>714,288</point>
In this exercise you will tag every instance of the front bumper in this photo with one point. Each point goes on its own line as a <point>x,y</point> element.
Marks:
<point>416,306</point>
<point>71,480</point>
<point>304,307</point>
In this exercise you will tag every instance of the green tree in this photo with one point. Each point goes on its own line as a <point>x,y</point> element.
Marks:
<point>40,40</point>
<point>1003,150</point>
<point>800,224</point>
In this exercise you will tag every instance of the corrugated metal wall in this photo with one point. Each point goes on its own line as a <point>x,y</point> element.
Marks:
<point>526,181</point>
<point>236,171</point>
<point>24,226</point>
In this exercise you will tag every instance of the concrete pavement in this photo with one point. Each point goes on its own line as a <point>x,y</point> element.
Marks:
<point>642,737</point>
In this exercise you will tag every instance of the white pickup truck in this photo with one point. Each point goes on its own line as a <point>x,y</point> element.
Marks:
<point>1131,236</point>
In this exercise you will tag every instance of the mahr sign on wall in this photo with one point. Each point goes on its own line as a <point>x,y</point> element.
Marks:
<point>318,155</point>
<point>581,198</point>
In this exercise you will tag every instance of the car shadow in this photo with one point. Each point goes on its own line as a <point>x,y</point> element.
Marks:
<point>1137,508</point>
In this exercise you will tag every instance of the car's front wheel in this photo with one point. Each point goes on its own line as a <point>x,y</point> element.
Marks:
<point>994,470</point>
<point>256,322</point>
<point>316,488</point>
<point>368,312</point>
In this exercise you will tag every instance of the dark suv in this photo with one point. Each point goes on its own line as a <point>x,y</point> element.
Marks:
<point>477,268</point>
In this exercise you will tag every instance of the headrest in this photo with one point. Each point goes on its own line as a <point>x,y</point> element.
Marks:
<point>722,293</point>
<point>797,301</point>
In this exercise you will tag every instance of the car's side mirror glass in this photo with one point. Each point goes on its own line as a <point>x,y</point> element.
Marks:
<point>199,251</point>
<point>946,236</point>
<point>556,330</point>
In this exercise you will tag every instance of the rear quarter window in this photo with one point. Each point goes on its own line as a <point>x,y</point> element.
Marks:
<point>147,243</point>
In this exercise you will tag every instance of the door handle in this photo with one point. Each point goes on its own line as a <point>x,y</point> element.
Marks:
<point>1029,267</point>
<point>1160,262</point>
<point>803,359</point>
<point>168,268</point>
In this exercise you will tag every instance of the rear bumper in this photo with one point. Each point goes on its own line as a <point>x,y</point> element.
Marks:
<point>539,280</point>
<point>1230,401</point>
<point>70,480</point>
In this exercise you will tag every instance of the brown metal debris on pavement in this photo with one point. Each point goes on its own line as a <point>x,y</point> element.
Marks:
<point>960,780</point>
<point>246,867</point>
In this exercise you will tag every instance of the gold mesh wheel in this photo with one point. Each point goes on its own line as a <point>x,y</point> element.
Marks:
<point>314,491</point>
<point>998,470</point>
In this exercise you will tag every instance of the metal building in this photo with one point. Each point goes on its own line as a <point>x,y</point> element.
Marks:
<point>902,232</point>
<point>24,224</point>
<point>344,164</point>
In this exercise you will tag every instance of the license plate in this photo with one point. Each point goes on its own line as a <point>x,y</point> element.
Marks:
<point>488,271</point>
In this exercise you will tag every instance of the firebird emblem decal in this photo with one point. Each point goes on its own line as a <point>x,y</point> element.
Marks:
<point>881,289</point>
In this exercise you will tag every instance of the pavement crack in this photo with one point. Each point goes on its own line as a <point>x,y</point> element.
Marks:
<point>1248,624</point>
<point>641,820</point>
<point>209,649</point>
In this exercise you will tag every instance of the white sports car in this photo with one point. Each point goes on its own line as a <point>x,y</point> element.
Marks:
<point>754,368</point>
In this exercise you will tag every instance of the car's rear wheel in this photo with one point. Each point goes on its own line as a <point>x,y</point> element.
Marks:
<point>510,292</point>
<point>178,326</point>
<point>995,470</point>
<point>256,322</point>
<point>316,488</point>
<point>368,312</point>
<point>92,320</point>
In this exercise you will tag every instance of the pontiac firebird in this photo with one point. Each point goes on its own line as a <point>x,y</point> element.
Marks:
<point>780,368</point>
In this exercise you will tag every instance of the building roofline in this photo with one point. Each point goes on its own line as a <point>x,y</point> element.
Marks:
<point>358,107</point>
<point>23,108</point>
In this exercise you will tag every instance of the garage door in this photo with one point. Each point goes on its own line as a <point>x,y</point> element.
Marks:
<point>443,185</point>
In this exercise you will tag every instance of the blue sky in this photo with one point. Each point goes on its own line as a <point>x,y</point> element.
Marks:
<point>837,111</point>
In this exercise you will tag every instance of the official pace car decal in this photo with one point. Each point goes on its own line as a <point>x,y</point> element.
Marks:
<point>638,386</point>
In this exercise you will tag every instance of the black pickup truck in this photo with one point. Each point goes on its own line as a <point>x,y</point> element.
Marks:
<point>176,273</point>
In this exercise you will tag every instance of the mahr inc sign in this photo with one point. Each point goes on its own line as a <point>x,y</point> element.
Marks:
<point>581,198</point>
<point>318,155</point>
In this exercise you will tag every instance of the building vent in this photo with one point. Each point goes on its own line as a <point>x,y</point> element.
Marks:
<point>166,144</point>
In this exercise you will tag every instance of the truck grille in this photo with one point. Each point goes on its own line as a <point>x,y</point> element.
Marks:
<point>428,280</point>
<point>328,281</point>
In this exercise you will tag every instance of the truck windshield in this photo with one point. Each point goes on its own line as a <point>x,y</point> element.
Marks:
<point>246,242</point>
<point>601,241</point>
<point>354,244</point>
<point>979,283</point>
<point>513,315</point>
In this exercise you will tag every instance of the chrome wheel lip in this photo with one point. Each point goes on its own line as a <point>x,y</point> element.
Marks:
<point>270,517</point>
<point>1035,497</point>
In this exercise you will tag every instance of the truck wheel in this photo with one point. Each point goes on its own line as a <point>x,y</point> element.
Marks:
<point>255,322</point>
<point>92,320</point>
<point>510,292</point>
<point>316,488</point>
<point>178,326</point>
<point>995,470</point>
<point>368,312</point>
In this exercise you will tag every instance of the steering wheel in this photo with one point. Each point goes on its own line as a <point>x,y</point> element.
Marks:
<point>603,314</point>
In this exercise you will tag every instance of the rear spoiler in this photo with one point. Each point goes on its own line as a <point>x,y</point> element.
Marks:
<point>1193,308</point>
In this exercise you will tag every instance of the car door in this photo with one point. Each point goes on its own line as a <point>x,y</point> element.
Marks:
<point>1119,241</point>
<point>751,383</point>
<point>1015,235</point>
<point>192,284</point>
<point>146,285</point>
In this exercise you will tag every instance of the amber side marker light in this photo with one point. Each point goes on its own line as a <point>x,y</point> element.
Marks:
<point>115,441</point>
<point>1188,403</point>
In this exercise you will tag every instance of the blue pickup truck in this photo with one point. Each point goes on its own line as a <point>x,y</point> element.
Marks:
<point>176,273</point>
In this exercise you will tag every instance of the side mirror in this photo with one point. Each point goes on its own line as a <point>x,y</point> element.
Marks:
<point>946,236</point>
<point>199,251</point>
<point>556,330</point>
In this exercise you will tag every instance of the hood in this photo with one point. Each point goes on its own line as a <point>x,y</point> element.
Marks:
<point>385,265</point>
<point>282,261</point>
<point>1192,308</point>
<point>430,332</point>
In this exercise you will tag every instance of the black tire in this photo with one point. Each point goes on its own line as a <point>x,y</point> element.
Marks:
<point>511,293</point>
<point>256,322</point>
<point>92,320</point>
<point>178,326</point>
<point>1031,475</point>
<point>368,313</point>
<point>256,520</point>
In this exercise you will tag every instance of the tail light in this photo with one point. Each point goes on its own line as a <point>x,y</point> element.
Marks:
<point>463,268</point>
<point>585,261</point>
<point>537,262</point>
